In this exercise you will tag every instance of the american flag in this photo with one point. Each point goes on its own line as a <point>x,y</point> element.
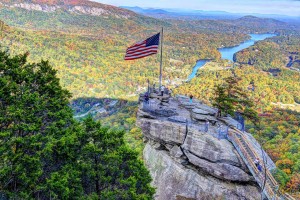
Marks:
<point>142,49</point>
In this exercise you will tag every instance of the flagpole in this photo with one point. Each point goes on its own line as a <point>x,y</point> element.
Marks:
<point>161,57</point>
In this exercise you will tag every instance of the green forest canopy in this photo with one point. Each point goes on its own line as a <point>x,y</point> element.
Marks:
<point>46,154</point>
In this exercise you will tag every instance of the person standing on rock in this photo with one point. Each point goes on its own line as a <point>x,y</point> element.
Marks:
<point>191,98</point>
<point>256,161</point>
<point>218,113</point>
<point>257,164</point>
<point>146,98</point>
<point>162,89</point>
<point>259,167</point>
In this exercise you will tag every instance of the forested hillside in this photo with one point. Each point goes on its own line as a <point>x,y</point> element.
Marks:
<point>94,66</point>
<point>280,51</point>
<point>86,42</point>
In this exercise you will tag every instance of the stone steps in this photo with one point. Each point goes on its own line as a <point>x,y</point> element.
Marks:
<point>249,155</point>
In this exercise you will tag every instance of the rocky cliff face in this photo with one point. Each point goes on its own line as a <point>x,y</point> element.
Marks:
<point>83,7</point>
<point>176,179</point>
<point>189,163</point>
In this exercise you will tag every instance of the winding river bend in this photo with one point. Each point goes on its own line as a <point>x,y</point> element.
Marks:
<point>228,52</point>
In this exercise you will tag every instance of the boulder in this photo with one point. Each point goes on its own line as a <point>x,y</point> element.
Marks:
<point>176,152</point>
<point>211,149</point>
<point>219,170</point>
<point>165,132</point>
<point>173,181</point>
<point>200,111</point>
<point>157,146</point>
<point>212,111</point>
<point>168,146</point>
<point>230,122</point>
<point>199,117</point>
<point>144,114</point>
<point>178,119</point>
<point>188,105</point>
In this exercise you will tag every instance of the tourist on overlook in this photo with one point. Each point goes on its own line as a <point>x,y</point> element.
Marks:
<point>218,113</point>
<point>259,167</point>
<point>257,164</point>
<point>191,98</point>
<point>146,96</point>
<point>162,89</point>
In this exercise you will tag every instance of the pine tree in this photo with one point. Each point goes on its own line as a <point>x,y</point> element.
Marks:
<point>110,169</point>
<point>222,101</point>
<point>35,119</point>
<point>46,154</point>
<point>230,98</point>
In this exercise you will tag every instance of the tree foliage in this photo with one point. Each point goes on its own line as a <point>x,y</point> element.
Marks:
<point>110,169</point>
<point>45,153</point>
<point>231,98</point>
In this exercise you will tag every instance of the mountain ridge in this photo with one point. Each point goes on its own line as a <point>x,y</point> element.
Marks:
<point>73,6</point>
<point>255,19</point>
<point>204,14</point>
<point>73,16</point>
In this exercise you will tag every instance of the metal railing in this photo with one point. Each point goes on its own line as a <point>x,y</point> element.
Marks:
<point>220,133</point>
<point>256,155</point>
<point>246,151</point>
<point>287,196</point>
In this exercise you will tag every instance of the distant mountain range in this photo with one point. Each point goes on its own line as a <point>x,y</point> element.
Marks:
<point>201,14</point>
<point>45,14</point>
<point>175,13</point>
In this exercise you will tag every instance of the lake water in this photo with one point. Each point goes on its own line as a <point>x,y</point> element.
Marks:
<point>200,63</point>
<point>228,52</point>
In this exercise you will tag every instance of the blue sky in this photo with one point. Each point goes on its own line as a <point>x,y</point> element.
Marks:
<point>282,7</point>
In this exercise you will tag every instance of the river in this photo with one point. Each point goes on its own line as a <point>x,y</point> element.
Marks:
<point>228,52</point>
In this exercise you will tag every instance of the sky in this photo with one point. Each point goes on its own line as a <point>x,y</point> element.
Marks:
<point>281,7</point>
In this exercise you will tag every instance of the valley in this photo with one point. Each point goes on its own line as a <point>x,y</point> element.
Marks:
<point>229,52</point>
<point>86,43</point>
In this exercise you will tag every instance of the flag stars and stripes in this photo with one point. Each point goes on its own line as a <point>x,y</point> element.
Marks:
<point>142,49</point>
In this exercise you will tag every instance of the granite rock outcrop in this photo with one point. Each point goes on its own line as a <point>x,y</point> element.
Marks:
<point>187,162</point>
